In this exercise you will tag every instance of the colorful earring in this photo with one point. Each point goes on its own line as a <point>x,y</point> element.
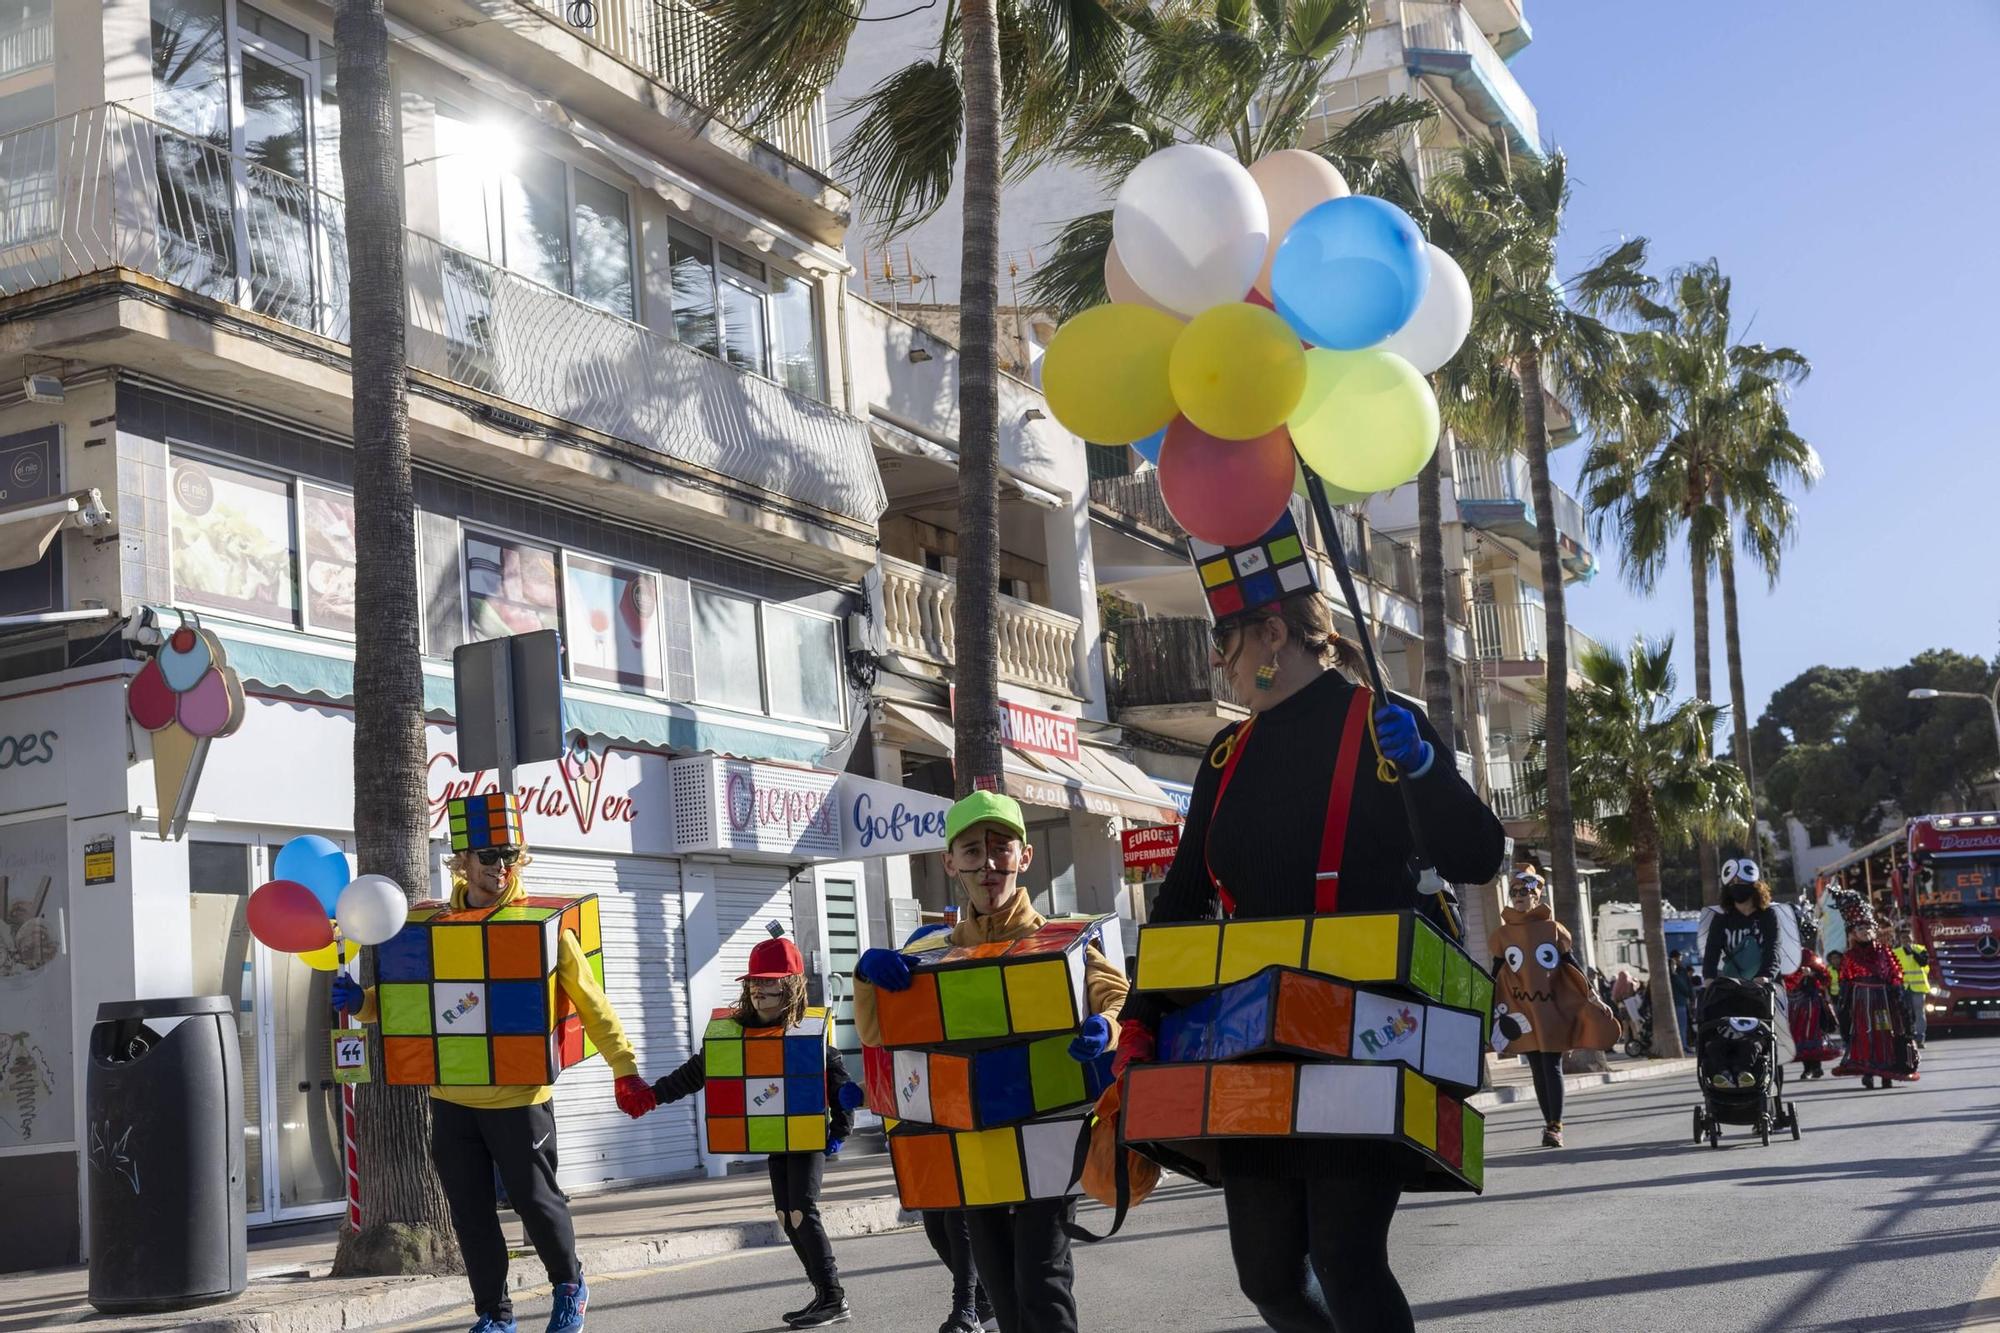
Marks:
<point>1267,675</point>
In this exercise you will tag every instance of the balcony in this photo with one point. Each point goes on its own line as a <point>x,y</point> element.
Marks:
<point>1496,494</point>
<point>1135,501</point>
<point>1037,646</point>
<point>1161,682</point>
<point>108,192</point>
<point>1441,38</point>
<point>1511,639</point>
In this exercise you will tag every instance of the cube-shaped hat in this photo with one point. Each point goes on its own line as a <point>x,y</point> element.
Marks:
<point>490,819</point>
<point>973,995</point>
<point>1239,580</point>
<point>982,1089</point>
<point>472,997</point>
<point>766,1089</point>
<point>987,1168</point>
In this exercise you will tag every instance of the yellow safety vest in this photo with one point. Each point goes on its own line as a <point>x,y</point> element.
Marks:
<point>1915,978</point>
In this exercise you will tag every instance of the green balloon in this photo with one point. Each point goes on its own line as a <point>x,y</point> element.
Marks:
<point>1368,421</point>
<point>1334,494</point>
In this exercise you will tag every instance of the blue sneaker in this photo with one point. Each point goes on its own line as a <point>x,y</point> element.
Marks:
<point>567,1314</point>
<point>488,1324</point>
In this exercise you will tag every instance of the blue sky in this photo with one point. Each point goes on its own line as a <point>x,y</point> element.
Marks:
<point>1838,158</point>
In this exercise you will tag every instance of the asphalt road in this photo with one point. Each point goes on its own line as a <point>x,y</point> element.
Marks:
<point>1885,1217</point>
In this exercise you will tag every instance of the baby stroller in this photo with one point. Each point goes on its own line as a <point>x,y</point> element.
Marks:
<point>1736,1062</point>
<point>1639,1042</point>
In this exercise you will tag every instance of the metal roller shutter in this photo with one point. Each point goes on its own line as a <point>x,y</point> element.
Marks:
<point>645,978</point>
<point>747,899</point>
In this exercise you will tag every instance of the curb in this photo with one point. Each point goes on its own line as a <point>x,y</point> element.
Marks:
<point>417,1297</point>
<point>1520,1092</point>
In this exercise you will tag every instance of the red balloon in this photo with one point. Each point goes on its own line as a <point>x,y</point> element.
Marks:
<point>284,915</point>
<point>1228,492</point>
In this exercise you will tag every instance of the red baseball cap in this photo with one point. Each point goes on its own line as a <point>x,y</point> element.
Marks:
<point>775,958</point>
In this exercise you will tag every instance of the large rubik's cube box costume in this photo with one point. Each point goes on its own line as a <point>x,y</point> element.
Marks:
<point>766,1086</point>
<point>471,996</point>
<point>1367,1025</point>
<point>975,1073</point>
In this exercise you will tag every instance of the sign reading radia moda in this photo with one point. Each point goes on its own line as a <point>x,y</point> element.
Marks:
<point>1035,730</point>
<point>1150,849</point>
<point>742,806</point>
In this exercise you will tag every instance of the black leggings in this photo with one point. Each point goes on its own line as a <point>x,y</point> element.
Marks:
<point>949,1235</point>
<point>1024,1255</point>
<point>795,1181</point>
<point>467,1146</point>
<point>1313,1255</point>
<point>1547,1069</point>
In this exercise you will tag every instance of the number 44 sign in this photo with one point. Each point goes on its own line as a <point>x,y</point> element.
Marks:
<point>350,1056</point>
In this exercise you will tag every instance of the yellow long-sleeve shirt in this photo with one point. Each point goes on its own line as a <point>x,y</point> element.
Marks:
<point>1105,985</point>
<point>600,1020</point>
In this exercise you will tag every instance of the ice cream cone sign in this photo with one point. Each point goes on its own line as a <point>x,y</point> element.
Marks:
<point>185,697</point>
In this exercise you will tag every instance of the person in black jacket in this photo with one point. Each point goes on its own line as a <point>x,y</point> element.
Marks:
<point>1309,1219</point>
<point>774,995</point>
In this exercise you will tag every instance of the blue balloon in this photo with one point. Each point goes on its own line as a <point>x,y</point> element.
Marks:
<point>1350,273</point>
<point>1149,448</point>
<point>316,863</point>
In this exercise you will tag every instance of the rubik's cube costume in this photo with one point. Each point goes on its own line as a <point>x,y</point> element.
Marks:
<point>487,1005</point>
<point>1315,1030</point>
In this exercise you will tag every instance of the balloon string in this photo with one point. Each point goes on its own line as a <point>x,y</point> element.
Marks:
<point>1385,767</point>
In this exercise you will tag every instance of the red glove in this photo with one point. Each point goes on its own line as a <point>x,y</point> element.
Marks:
<point>635,1095</point>
<point>1135,1042</point>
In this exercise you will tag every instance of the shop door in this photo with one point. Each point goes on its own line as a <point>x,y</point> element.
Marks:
<point>645,979</point>
<point>291,1107</point>
<point>843,934</point>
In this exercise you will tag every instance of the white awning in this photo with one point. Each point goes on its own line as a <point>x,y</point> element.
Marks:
<point>27,529</point>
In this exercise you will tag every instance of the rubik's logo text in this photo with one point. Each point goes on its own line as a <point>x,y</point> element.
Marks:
<point>1399,1026</point>
<point>462,1008</point>
<point>775,1088</point>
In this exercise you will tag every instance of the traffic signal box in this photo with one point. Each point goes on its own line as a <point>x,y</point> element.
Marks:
<point>944,1168</point>
<point>973,995</point>
<point>984,1089</point>
<point>471,997</point>
<point>766,1088</point>
<point>1366,1025</point>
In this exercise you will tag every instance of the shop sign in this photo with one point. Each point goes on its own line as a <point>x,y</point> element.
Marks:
<point>1150,849</point>
<point>1036,730</point>
<point>743,806</point>
<point>1182,793</point>
<point>100,860</point>
<point>883,819</point>
<point>350,1055</point>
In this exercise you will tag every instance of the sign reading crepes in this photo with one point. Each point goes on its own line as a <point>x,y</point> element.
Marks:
<point>737,805</point>
<point>1150,849</point>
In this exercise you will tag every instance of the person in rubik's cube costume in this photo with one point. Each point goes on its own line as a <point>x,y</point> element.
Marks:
<point>487,999</point>
<point>1020,1250</point>
<point>1297,812</point>
<point>774,1083</point>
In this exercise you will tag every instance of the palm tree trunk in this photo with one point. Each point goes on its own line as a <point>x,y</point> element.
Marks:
<point>1653,928</point>
<point>405,1227</point>
<point>1430,593</point>
<point>1704,846</point>
<point>976,670</point>
<point>1732,646</point>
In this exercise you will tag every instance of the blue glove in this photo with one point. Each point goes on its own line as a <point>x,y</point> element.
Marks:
<point>850,1097</point>
<point>1090,1039</point>
<point>885,968</point>
<point>348,997</point>
<point>1396,732</point>
<point>833,1147</point>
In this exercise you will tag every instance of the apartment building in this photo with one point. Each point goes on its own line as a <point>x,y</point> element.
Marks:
<point>633,413</point>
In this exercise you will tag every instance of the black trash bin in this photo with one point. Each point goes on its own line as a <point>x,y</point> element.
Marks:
<point>165,1145</point>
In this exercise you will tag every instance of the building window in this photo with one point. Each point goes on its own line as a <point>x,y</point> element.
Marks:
<point>535,206</point>
<point>802,659</point>
<point>231,533</point>
<point>693,258</point>
<point>602,222</point>
<point>755,316</point>
<point>510,587</point>
<point>745,337</point>
<point>795,337</point>
<point>727,665</point>
<point>614,632</point>
<point>328,526</point>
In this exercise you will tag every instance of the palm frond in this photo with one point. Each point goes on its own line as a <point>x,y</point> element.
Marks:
<point>1071,279</point>
<point>779,55</point>
<point>903,150</point>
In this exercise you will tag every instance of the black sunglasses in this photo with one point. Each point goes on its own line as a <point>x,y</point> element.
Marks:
<point>498,856</point>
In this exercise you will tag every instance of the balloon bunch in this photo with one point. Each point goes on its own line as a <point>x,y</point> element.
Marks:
<point>1257,313</point>
<point>319,910</point>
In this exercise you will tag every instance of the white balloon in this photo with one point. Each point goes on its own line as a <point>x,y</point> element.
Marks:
<point>1435,333</point>
<point>1191,228</point>
<point>371,909</point>
<point>1119,284</point>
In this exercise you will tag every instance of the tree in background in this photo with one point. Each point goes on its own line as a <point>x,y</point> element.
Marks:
<point>1645,763</point>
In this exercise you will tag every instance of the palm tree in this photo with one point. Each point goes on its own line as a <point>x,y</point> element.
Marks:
<point>1646,760</point>
<point>1017,65</point>
<point>405,1225</point>
<point>1705,417</point>
<point>1545,335</point>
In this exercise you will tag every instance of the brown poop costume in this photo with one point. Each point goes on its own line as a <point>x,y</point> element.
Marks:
<point>1541,999</point>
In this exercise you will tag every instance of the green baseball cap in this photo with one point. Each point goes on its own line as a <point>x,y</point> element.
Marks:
<point>985,807</point>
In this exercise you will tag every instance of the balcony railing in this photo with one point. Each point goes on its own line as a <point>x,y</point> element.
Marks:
<point>1166,661</point>
<point>677,45</point>
<point>26,44</point>
<point>108,189</point>
<point>1483,479</point>
<point>1444,25</point>
<point>1137,498</point>
<point>1518,632</point>
<point>1037,645</point>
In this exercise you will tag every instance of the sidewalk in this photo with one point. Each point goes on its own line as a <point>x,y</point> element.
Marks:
<point>290,1290</point>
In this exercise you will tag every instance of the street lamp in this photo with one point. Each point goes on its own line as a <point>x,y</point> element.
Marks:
<point>1992,701</point>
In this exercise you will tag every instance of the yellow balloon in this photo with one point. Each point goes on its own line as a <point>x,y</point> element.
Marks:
<point>1238,371</point>
<point>1105,373</point>
<point>330,956</point>
<point>1367,421</point>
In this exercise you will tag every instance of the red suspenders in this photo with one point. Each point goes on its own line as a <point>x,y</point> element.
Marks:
<point>1333,838</point>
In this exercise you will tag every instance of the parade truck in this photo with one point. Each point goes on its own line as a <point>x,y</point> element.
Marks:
<point>1940,875</point>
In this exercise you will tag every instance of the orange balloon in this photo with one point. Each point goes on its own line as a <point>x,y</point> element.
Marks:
<point>1293,183</point>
